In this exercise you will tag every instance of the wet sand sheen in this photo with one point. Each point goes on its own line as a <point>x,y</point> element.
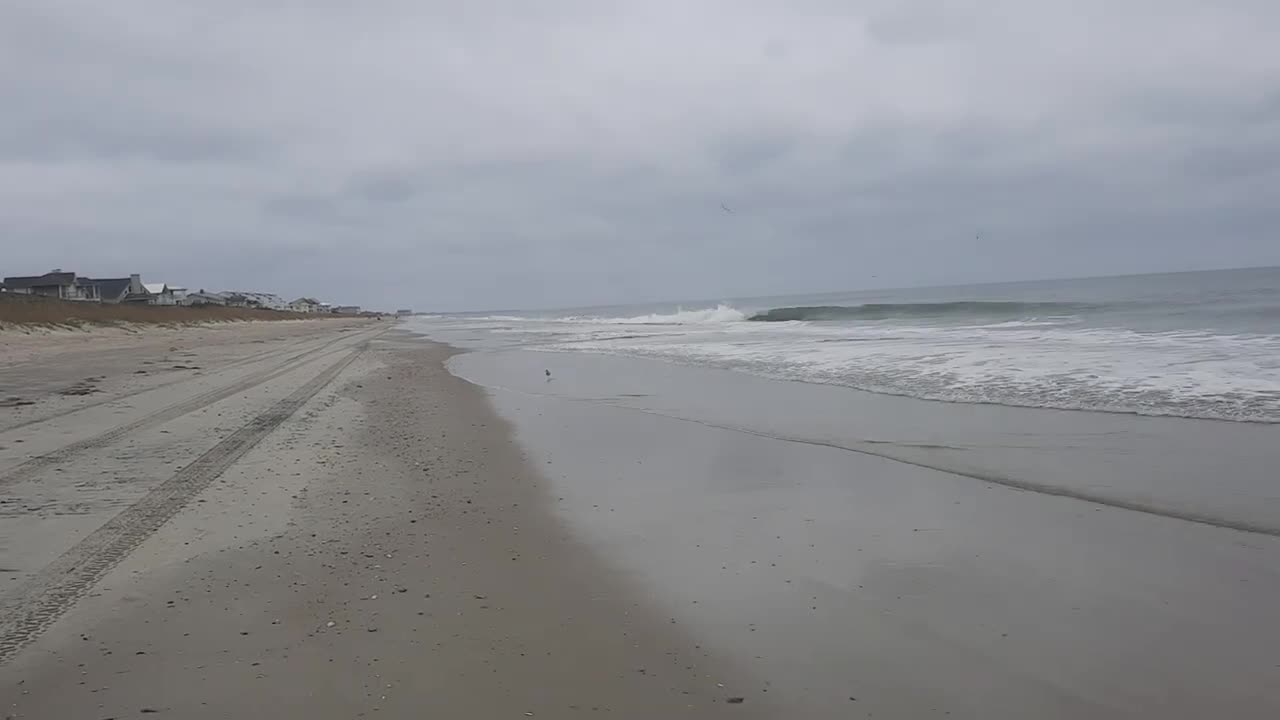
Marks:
<point>1213,472</point>
<point>921,593</point>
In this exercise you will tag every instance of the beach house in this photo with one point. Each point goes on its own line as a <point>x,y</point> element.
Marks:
<point>200,297</point>
<point>67,286</point>
<point>160,294</point>
<point>114,290</point>
<point>245,299</point>
<point>53,284</point>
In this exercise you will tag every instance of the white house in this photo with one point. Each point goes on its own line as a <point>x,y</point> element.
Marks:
<point>305,305</point>
<point>201,297</point>
<point>160,294</point>
<point>271,301</point>
<point>266,301</point>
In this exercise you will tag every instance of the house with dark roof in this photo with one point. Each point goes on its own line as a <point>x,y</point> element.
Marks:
<point>108,290</point>
<point>67,286</point>
<point>200,297</point>
<point>306,305</point>
<point>259,300</point>
<point>116,290</point>
<point>53,284</point>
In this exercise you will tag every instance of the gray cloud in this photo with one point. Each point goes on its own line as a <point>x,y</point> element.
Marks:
<point>68,139</point>
<point>521,154</point>
<point>386,186</point>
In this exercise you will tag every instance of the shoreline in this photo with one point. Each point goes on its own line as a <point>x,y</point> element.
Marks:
<point>439,532</point>
<point>918,590</point>
<point>1146,464</point>
<point>387,551</point>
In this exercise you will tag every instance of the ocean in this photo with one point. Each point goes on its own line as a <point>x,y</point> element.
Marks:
<point>779,478</point>
<point>1195,344</point>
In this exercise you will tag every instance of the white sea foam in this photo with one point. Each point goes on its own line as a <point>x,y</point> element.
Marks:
<point>1230,377</point>
<point>1052,362</point>
<point>710,316</point>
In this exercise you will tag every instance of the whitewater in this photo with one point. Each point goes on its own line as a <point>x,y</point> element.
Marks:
<point>1196,345</point>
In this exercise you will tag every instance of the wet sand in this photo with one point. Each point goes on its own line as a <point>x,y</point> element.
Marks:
<point>800,530</point>
<point>382,549</point>
<point>344,528</point>
<point>1214,472</point>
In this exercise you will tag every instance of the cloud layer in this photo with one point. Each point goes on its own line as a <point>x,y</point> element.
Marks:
<point>512,154</point>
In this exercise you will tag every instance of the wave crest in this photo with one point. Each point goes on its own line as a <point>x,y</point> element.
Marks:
<point>882,311</point>
<point>710,316</point>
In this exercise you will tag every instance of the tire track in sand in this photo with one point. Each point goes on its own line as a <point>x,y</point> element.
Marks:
<point>268,355</point>
<point>185,407</point>
<point>39,602</point>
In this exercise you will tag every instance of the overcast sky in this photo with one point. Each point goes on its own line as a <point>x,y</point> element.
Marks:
<point>482,154</point>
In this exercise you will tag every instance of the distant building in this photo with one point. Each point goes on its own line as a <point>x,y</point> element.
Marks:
<point>347,310</point>
<point>404,311</point>
<point>66,286</point>
<point>268,301</point>
<point>306,305</point>
<point>264,301</point>
<point>160,294</point>
<point>117,290</point>
<point>53,284</point>
<point>200,297</point>
<point>107,290</point>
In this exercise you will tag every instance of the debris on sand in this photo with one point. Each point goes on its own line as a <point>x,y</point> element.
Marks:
<point>84,387</point>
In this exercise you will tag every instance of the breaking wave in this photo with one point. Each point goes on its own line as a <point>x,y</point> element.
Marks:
<point>883,311</point>
<point>709,316</point>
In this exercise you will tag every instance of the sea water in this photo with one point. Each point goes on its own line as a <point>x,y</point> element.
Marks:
<point>1197,344</point>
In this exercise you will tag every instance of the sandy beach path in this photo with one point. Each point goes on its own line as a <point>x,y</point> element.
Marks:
<point>47,374</point>
<point>356,535</point>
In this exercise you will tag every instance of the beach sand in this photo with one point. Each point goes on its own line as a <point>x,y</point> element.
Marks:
<point>357,535</point>
<point>354,522</point>
<point>843,544</point>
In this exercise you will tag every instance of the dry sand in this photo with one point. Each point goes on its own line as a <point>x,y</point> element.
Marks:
<point>328,525</point>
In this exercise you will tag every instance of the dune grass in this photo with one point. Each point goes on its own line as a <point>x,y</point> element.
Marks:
<point>28,311</point>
